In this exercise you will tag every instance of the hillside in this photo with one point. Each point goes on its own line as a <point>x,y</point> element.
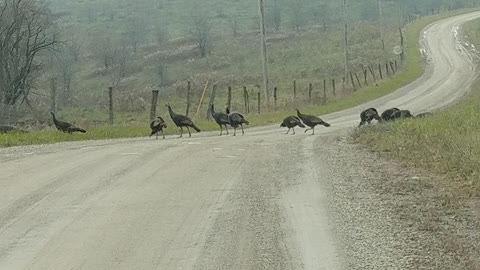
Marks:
<point>144,45</point>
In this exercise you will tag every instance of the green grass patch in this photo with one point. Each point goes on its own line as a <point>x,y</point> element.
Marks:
<point>447,142</point>
<point>413,70</point>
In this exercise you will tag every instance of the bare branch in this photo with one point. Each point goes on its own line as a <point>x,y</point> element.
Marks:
<point>24,32</point>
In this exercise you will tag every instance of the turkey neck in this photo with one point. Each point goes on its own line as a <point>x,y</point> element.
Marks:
<point>170,111</point>
<point>299,114</point>
<point>54,118</point>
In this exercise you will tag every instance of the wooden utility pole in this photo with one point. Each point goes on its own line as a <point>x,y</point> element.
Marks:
<point>294,90</point>
<point>189,89</point>
<point>264,52</point>
<point>245,99</point>
<point>212,100</point>
<point>153,106</point>
<point>53,95</point>
<point>110,105</point>
<point>380,25</point>
<point>402,54</point>
<point>229,98</point>
<point>345,18</point>
<point>201,99</point>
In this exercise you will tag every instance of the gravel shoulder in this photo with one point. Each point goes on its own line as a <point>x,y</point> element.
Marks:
<point>390,216</point>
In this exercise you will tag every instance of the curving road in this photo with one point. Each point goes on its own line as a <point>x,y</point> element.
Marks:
<point>209,202</point>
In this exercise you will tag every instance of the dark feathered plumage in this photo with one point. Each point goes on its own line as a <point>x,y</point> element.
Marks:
<point>157,125</point>
<point>182,121</point>
<point>423,115</point>
<point>10,129</point>
<point>311,121</point>
<point>368,115</point>
<point>401,114</point>
<point>221,119</point>
<point>65,126</point>
<point>236,119</point>
<point>291,122</point>
<point>387,114</point>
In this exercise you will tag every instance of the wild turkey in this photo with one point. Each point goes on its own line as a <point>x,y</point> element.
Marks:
<point>368,115</point>
<point>291,122</point>
<point>401,114</point>
<point>221,119</point>
<point>387,114</point>
<point>157,125</point>
<point>182,121</point>
<point>236,119</point>
<point>311,121</point>
<point>423,115</point>
<point>65,126</point>
<point>10,129</point>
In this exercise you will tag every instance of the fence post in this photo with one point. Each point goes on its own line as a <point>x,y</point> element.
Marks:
<point>245,99</point>
<point>110,105</point>
<point>229,101</point>
<point>358,81</point>
<point>212,100</point>
<point>392,67</point>
<point>294,90</point>
<point>380,71</point>
<point>387,69</point>
<point>373,74</point>
<point>275,97</point>
<point>259,102</point>
<point>353,83</point>
<point>201,99</point>
<point>188,97</point>
<point>310,90</point>
<point>333,87</point>
<point>365,77</point>
<point>324,91</point>
<point>153,107</point>
<point>53,95</point>
<point>402,55</point>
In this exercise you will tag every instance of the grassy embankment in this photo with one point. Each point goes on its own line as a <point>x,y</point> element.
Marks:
<point>413,69</point>
<point>446,143</point>
<point>444,150</point>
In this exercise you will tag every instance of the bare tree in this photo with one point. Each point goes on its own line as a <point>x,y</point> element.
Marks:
<point>135,33</point>
<point>161,34</point>
<point>118,70</point>
<point>102,47</point>
<point>231,20</point>
<point>74,48</point>
<point>113,53</point>
<point>65,67</point>
<point>276,15</point>
<point>25,31</point>
<point>201,32</point>
<point>297,14</point>
<point>91,13</point>
<point>322,14</point>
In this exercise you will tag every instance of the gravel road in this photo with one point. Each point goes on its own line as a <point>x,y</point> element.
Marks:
<point>265,200</point>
